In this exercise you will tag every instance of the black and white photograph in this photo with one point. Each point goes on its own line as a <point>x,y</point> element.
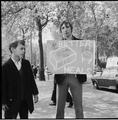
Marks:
<point>59,59</point>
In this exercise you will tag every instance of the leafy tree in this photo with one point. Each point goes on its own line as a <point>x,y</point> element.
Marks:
<point>21,17</point>
<point>95,20</point>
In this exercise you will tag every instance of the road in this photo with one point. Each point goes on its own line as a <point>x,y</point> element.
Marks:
<point>96,103</point>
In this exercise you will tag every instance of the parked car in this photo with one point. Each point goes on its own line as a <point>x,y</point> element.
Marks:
<point>108,77</point>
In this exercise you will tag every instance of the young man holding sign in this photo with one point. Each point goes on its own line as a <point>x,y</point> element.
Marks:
<point>69,81</point>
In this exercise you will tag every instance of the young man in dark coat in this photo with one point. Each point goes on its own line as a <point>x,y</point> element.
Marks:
<point>18,84</point>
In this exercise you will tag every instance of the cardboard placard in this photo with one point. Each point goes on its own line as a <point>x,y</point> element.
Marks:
<point>70,56</point>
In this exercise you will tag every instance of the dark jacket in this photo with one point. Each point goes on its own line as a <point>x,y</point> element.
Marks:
<point>59,78</point>
<point>10,83</point>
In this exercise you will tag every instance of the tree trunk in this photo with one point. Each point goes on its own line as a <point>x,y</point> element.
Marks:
<point>24,54</point>
<point>41,64</point>
<point>95,19</point>
<point>23,37</point>
<point>31,49</point>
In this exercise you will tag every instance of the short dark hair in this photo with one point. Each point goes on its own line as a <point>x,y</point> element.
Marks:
<point>15,44</point>
<point>66,23</point>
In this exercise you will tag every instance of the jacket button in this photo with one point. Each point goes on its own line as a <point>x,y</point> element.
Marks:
<point>10,99</point>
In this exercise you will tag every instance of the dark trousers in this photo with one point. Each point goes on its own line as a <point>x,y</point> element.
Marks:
<point>53,98</point>
<point>15,108</point>
<point>76,89</point>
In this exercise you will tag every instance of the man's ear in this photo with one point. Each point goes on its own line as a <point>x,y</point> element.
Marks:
<point>12,50</point>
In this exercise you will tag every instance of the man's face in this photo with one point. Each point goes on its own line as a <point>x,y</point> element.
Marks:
<point>66,30</point>
<point>19,51</point>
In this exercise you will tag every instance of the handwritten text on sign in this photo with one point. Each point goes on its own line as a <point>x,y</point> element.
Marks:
<point>72,56</point>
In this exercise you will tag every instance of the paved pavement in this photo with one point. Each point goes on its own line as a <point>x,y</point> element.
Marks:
<point>96,103</point>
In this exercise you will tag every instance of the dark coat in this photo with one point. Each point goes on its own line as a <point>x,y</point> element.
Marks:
<point>10,83</point>
<point>59,78</point>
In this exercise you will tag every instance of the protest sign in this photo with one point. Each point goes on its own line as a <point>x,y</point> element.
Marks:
<point>72,56</point>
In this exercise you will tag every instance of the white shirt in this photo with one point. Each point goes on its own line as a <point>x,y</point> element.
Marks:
<point>18,64</point>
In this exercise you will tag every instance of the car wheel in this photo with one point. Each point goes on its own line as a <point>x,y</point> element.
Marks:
<point>95,84</point>
<point>116,88</point>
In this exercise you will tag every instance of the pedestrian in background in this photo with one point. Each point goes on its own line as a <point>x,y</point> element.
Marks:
<point>35,71</point>
<point>54,94</point>
<point>66,81</point>
<point>18,85</point>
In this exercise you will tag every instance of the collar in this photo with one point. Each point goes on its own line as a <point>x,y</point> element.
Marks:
<point>15,60</point>
<point>72,38</point>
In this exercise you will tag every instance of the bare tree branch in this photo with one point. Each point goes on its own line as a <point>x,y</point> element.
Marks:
<point>13,12</point>
<point>12,22</point>
<point>10,11</point>
<point>45,23</point>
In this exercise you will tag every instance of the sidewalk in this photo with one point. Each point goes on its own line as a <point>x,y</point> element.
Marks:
<point>42,108</point>
<point>96,103</point>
